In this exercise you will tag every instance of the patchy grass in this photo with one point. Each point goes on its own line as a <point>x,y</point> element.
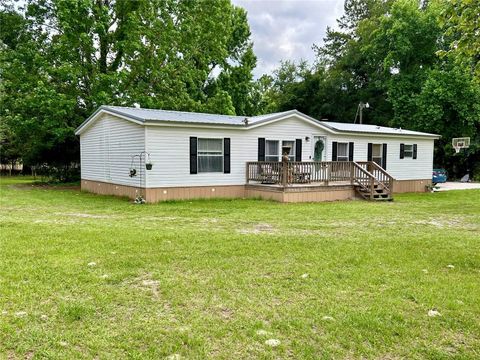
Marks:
<point>88,276</point>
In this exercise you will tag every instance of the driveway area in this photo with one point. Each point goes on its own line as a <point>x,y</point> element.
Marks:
<point>457,186</point>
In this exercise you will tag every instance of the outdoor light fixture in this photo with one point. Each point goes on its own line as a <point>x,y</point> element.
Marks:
<point>307,138</point>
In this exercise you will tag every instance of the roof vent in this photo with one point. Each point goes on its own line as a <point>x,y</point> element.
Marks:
<point>136,105</point>
<point>245,121</point>
<point>324,119</point>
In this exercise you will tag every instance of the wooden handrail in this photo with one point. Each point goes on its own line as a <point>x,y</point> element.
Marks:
<point>362,181</point>
<point>298,172</point>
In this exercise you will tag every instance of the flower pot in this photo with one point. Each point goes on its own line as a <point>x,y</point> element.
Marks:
<point>148,166</point>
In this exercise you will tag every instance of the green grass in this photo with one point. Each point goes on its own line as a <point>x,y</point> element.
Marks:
<point>200,278</point>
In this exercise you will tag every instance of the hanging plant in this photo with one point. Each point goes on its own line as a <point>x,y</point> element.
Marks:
<point>133,172</point>
<point>148,166</point>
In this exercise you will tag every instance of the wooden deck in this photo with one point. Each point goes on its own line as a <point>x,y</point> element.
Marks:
<point>367,179</point>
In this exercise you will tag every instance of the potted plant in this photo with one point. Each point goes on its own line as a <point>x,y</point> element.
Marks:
<point>148,165</point>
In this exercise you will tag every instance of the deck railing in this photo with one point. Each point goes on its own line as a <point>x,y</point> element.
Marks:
<point>366,174</point>
<point>383,177</point>
<point>298,172</point>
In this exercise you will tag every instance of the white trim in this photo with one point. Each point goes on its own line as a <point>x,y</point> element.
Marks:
<point>96,116</point>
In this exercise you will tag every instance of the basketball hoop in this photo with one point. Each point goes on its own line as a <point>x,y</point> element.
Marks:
<point>460,143</point>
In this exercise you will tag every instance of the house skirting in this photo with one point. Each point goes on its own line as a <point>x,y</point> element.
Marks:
<point>405,186</point>
<point>303,193</point>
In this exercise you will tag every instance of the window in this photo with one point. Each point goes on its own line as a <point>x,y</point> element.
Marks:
<point>210,155</point>
<point>291,145</point>
<point>271,150</point>
<point>408,151</point>
<point>342,151</point>
<point>377,153</point>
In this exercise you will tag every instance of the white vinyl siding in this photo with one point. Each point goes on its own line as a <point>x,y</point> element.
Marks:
<point>169,147</point>
<point>401,169</point>
<point>106,148</point>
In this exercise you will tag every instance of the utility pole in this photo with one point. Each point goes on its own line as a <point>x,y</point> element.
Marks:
<point>360,108</point>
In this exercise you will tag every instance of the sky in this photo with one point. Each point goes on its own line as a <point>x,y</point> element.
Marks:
<point>287,29</point>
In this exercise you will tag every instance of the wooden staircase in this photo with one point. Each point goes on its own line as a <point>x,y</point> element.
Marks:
<point>372,182</point>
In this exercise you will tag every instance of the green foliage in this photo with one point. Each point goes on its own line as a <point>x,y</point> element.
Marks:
<point>62,59</point>
<point>387,53</point>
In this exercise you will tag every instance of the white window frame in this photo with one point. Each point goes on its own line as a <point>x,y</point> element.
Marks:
<point>198,154</point>
<point>380,157</point>
<point>277,155</point>
<point>342,158</point>
<point>279,146</point>
<point>408,153</point>
<point>291,156</point>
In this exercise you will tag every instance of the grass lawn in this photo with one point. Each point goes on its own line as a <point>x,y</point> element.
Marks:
<point>88,276</point>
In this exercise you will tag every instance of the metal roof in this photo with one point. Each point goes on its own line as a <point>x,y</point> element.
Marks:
<point>152,115</point>
<point>372,129</point>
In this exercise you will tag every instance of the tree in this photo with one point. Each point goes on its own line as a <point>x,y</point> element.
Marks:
<point>461,20</point>
<point>62,59</point>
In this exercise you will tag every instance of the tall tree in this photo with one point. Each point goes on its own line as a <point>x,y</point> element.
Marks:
<point>62,59</point>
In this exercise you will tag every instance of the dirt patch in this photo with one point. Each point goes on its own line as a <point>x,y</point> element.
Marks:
<point>146,283</point>
<point>87,216</point>
<point>262,228</point>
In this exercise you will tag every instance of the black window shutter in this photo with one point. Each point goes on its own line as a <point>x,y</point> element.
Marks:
<point>414,151</point>
<point>298,150</point>
<point>402,151</point>
<point>334,151</point>
<point>384,156</point>
<point>226,155</point>
<point>350,151</point>
<point>261,149</point>
<point>193,155</point>
<point>370,152</point>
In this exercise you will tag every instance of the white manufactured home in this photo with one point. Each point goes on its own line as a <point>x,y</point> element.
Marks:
<point>287,156</point>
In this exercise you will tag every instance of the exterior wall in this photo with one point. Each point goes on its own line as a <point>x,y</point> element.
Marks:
<point>401,169</point>
<point>106,148</point>
<point>169,149</point>
<point>405,186</point>
<point>108,144</point>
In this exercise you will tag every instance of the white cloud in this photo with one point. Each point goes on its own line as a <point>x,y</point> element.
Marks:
<point>287,29</point>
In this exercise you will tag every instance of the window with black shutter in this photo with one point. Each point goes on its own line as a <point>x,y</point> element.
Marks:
<point>193,155</point>
<point>261,149</point>
<point>350,151</point>
<point>384,157</point>
<point>334,151</point>
<point>298,150</point>
<point>226,155</point>
<point>370,152</point>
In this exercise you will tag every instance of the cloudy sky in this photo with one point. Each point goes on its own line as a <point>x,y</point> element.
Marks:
<point>287,29</point>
